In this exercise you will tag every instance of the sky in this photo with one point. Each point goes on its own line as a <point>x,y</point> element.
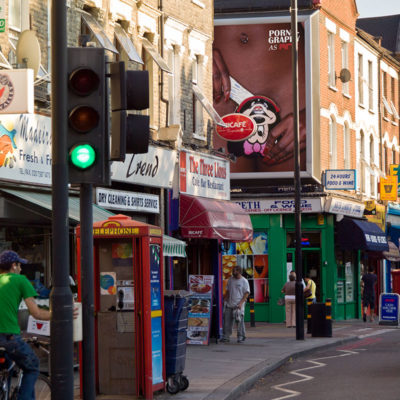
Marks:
<point>377,8</point>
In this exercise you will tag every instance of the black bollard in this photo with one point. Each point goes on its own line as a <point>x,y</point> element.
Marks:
<point>252,315</point>
<point>309,320</point>
<point>328,318</point>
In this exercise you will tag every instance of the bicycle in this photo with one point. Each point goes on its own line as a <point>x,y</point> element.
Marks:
<point>11,376</point>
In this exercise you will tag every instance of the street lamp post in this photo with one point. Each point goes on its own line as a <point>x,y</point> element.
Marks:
<point>297,182</point>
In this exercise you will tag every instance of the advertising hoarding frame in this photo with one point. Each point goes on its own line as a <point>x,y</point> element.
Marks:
<point>311,55</point>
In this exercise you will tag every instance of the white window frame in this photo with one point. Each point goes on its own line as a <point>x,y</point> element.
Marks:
<point>332,143</point>
<point>360,60</point>
<point>331,60</point>
<point>149,66</point>
<point>198,118</point>
<point>362,162</point>
<point>370,86</point>
<point>346,145</point>
<point>345,64</point>
<point>174,87</point>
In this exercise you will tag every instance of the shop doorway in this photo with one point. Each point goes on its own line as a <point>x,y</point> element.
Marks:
<point>311,264</point>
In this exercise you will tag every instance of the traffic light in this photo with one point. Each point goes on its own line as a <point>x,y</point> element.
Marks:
<point>87,139</point>
<point>129,92</point>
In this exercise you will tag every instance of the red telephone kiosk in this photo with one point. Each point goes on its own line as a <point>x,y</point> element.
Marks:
<point>129,323</point>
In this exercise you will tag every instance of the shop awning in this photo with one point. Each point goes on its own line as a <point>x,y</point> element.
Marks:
<point>44,200</point>
<point>354,234</point>
<point>173,247</point>
<point>393,254</point>
<point>201,217</point>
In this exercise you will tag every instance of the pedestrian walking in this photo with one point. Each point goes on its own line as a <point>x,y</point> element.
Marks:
<point>368,282</point>
<point>310,289</point>
<point>237,292</point>
<point>289,289</point>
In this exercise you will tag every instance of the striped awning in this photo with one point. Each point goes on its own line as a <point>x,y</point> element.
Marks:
<point>173,247</point>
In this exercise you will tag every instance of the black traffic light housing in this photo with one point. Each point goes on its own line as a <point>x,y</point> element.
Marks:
<point>87,139</point>
<point>129,92</point>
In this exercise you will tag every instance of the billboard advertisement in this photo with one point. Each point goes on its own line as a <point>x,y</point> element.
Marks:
<point>252,75</point>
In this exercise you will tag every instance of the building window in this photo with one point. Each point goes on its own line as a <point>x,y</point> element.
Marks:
<point>371,163</point>
<point>346,145</point>
<point>15,14</point>
<point>360,80</point>
<point>386,158</point>
<point>149,66</point>
<point>174,86</point>
<point>345,64</point>
<point>332,143</point>
<point>386,107</point>
<point>370,87</point>
<point>331,60</point>
<point>393,98</point>
<point>197,79</point>
<point>362,162</point>
<point>393,155</point>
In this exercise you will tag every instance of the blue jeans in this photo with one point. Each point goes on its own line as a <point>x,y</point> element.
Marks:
<point>25,358</point>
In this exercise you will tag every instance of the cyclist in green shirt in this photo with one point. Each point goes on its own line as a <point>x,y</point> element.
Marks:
<point>14,288</point>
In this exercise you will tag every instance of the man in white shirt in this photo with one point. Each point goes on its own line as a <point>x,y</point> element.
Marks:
<point>237,292</point>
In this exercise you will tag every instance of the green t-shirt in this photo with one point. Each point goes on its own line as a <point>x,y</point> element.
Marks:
<point>13,288</point>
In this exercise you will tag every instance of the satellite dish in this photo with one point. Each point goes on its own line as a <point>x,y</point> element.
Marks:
<point>28,51</point>
<point>345,75</point>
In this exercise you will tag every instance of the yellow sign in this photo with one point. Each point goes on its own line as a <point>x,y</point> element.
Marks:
<point>388,188</point>
<point>375,213</point>
<point>115,230</point>
<point>394,170</point>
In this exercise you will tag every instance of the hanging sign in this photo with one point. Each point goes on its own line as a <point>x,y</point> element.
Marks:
<point>340,179</point>
<point>237,127</point>
<point>388,188</point>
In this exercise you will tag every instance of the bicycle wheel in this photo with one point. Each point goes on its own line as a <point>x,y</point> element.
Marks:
<point>42,388</point>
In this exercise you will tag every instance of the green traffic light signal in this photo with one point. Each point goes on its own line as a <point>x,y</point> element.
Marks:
<point>83,156</point>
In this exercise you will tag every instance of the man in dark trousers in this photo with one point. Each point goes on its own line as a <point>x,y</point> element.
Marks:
<point>368,281</point>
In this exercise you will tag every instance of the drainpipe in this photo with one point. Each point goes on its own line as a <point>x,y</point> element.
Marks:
<point>380,111</point>
<point>161,84</point>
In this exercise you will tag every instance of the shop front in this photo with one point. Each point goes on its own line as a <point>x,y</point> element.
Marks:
<point>208,222</point>
<point>360,246</point>
<point>271,255</point>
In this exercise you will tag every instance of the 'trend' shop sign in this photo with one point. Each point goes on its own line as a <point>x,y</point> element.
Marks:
<point>155,168</point>
<point>204,175</point>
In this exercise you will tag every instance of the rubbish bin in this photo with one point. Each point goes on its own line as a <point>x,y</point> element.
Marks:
<point>321,322</point>
<point>176,323</point>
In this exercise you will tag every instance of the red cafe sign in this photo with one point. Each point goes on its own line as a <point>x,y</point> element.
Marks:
<point>238,127</point>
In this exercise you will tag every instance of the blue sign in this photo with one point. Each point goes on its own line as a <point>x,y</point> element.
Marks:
<point>156,350</point>
<point>155,277</point>
<point>389,309</point>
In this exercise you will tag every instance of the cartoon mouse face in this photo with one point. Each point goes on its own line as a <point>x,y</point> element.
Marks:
<point>266,115</point>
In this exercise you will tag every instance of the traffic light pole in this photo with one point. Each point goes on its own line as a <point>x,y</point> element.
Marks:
<point>297,181</point>
<point>87,285</point>
<point>61,358</point>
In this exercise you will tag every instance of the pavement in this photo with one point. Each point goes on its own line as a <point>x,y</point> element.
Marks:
<point>223,371</point>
